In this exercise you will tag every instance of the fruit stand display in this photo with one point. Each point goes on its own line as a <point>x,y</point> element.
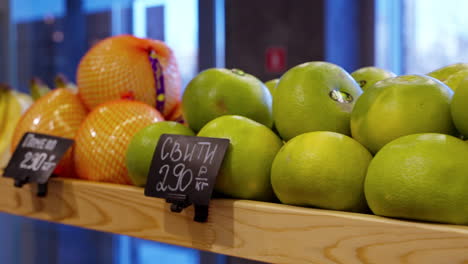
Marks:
<point>320,166</point>
<point>256,230</point>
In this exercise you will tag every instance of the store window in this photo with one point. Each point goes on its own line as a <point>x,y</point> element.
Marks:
<point>179,20</point>
<point>419,36</point>
<point>436,34</point>
<point>49,37</point>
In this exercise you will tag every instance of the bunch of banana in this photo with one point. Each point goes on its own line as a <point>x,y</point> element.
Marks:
<point>12,105</point>
<point>61,81</point>
<point>37,88</point>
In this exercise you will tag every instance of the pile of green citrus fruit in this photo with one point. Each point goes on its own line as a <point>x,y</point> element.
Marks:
<point>369,141</point>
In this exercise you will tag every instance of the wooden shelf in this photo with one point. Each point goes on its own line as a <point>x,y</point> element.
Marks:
<point>261,231</point>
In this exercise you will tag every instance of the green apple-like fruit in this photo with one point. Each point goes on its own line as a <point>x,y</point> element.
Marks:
<point>143,144</point>
<point>458,107</point>
<point>245,171</point>
<point>217,92</point>
<point>401,106</point>
<point>445,72</point>
<point>367,76</point>
<point>271,85</point>
<point>420,177</point>
<point>454,80</point>
<point>314,96</point>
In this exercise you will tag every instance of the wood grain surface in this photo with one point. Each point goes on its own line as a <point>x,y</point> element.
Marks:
<point>260,231</point>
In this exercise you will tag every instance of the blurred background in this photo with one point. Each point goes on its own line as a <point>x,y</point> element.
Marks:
<point>262,37</point>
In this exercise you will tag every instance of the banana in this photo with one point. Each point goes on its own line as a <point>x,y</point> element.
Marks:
<point>24,99</point>
<point>3,107</point>
<point>37,88</point>
<point>12,111</point>
<point>4,158</point>
<point>61,81</point>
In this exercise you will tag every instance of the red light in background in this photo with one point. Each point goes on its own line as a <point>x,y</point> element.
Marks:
<point>275,59</point>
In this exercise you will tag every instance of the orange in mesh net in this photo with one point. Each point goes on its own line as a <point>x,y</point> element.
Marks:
<point>58,113</point>
<point>103,138</point>
<point>126,67</point>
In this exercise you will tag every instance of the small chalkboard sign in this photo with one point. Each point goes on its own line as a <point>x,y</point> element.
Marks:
<point>184,169</point>
<point>35,159</point>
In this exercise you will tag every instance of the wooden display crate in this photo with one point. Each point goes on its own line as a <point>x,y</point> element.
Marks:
<point>255,230</point>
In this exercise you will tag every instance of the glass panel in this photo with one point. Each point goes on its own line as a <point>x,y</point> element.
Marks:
<point>436,34</point>
<point>138,251</point>
<point>53,35</point>
<point>388,41</point>
<point>179,20</point>
<point>419,36</point>
<point>29,241</point>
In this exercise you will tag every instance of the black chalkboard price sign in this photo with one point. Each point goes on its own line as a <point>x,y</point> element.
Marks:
<point>35,159</point>
<point>183,171</point>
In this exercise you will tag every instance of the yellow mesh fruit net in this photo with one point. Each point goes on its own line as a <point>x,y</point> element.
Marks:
<point>124,67</point>
<point>58,113</point>
<point>103,138</point>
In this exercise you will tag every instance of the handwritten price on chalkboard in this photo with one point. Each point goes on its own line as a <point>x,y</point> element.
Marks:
<point>184,178</point>
<point>37,161</point>
<point>184,169</point>
<point>180,156</point>
<point>179,172</point>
